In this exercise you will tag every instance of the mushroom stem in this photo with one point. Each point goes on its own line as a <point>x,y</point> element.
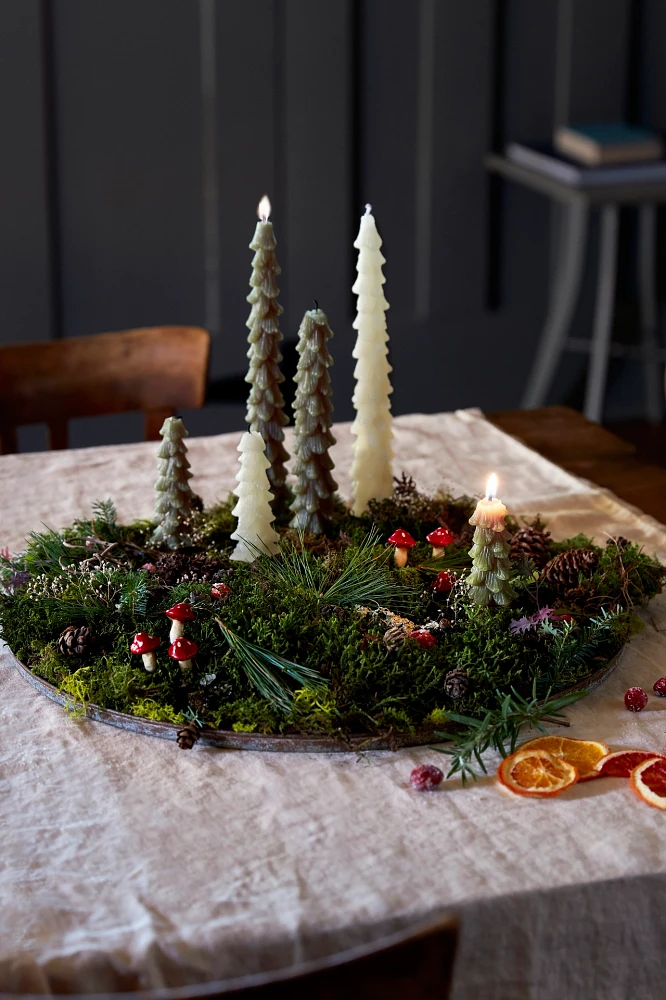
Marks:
<point>177,630</point>
<point>149,661</point>
<point>185,664</point>
<point>437,553</point>
<point>400,556</point>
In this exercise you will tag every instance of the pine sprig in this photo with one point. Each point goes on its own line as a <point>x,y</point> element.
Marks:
<point>500,727</point>
<point>259,665</point>
<point>364,579</point>
<point>573,646</point>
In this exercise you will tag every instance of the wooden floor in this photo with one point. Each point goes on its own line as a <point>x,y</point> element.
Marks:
<point>565,437</point>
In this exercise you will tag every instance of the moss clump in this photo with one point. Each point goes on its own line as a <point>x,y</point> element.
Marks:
<point>302,607</point>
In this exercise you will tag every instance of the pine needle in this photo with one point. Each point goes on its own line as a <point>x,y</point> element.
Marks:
<point>258,662</point>
<point>365,579</point>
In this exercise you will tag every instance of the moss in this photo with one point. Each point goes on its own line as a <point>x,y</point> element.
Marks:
<point>148,708</point>
<point>371,688</point>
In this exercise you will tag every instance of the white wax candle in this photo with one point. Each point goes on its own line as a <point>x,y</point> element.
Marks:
<point>253,509</point>
<point>490,511</point>
<point>371,472</point>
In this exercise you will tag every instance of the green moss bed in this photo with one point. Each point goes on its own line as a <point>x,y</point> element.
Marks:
<point>316,604</point>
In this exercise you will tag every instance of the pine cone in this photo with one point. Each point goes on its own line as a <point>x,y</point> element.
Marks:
<point>396,635</point>
<point>456,683</point>
<point>187,736</point>
<point>562,573</point>
<point>530,543</point>
<point>75,640</point>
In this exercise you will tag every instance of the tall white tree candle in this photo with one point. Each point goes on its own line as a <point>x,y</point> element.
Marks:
<point>253,509</point>
<point>371,472</point>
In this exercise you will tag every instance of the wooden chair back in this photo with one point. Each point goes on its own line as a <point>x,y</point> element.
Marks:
<point>157,370</point>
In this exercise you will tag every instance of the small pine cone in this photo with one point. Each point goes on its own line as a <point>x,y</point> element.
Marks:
<point>332,611</point>
<point>187,736</point>
<point>396,635</point>
<point>621,542</point>
<point>456,683</point>
<point>530,543</point>
<point>75,640</point>
<point>562,573</point>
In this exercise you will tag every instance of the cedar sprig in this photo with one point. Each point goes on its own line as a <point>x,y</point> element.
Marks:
<point>500,728</point>
<point>259,665</point>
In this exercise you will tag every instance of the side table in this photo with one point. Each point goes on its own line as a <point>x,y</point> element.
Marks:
<point>577,204</point>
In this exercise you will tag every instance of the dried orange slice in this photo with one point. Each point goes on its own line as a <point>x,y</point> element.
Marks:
<point>583,754</point>
<point>621,763</point>
<point>648,780</point>
<point>536,772</point>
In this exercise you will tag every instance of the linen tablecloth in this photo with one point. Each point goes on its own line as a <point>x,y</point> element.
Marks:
<point>127,863</point>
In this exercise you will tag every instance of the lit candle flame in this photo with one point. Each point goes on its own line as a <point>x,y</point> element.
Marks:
<point>491,487</point>
<point>264,208</point>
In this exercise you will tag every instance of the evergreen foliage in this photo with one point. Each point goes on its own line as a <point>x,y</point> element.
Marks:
<point>174,499</point>
<point>265,404</point>
<point>312,506</point>
<point>301,607</point>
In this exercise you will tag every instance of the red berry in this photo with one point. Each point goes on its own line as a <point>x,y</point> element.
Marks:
<point>444,582</point>
<point>425,639</point>
<point>220,590</point>
<point>660,687</point>
<point>425,777</point>
<point>635,699</point>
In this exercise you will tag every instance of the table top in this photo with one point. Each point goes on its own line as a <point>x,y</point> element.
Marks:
<point>633,193</point>
<point>128,862</point>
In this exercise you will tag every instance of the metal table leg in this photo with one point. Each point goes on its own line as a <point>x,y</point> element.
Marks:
<point>569,271</point>
<point>648,308</point>
<point>603,317</point>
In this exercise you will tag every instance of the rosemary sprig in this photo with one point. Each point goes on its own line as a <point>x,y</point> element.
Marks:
<point>500,727</point>
<point>259,663</point>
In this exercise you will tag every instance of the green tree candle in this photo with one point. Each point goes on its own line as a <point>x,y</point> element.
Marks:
<point>174,499</point>
<point>265,405</point>
<point>313,492</point>
<point>489,579</point>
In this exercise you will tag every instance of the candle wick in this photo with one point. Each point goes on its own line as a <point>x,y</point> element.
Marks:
<point>316,303</point>
<point>368,209</point>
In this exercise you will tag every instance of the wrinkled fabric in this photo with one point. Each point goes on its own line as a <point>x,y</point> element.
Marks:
<point>126,863</point>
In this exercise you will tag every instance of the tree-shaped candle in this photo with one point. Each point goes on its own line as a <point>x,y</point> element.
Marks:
<point>174,499</point>
<point>265,405</point>
<point>254,533</point>
<point>371,472</point>
<point>313,492</point>
<point>491,568</point>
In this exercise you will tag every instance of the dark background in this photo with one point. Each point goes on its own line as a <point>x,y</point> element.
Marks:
<point>140,134</point>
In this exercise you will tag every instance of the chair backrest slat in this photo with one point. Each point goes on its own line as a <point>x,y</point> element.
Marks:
<point>157,370</point>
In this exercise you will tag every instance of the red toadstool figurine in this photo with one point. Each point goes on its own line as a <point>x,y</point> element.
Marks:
<point>179,614</point>
<point>439,539</point>
<point>183,650</point>
<point>220,590</point>
<point>146,644</point>
<point>403,542</point>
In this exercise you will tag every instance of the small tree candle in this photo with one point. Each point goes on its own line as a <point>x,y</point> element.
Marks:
<point>491,568</point>
<point>174,499</point>
<point>314,488</point>
<point>253,510</point>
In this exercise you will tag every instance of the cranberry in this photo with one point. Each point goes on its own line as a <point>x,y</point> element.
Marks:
<point>660,687</point>
<point>635,699</point>
<point>444,582</point>
<point>220,590</point>
<point>425,639</point>
<point>425,777</point>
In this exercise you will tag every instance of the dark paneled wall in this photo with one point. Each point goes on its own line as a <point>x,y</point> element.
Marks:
<point>139,135</point>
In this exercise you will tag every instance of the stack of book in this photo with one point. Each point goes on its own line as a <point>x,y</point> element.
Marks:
<point>591,155</point>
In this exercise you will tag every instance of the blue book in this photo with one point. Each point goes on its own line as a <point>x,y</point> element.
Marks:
<point>546,160</point>
<point>607,143</point>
